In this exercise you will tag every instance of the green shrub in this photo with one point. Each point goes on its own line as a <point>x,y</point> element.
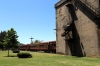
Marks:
<point>16,51</point>
<point>24,55</point>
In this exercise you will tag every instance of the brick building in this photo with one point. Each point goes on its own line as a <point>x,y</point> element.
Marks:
<point>78,27</point>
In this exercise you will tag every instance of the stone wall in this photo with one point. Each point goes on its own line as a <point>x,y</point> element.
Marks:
<point>62,18</point>
<point>85,30</point>
<point>94,3</point>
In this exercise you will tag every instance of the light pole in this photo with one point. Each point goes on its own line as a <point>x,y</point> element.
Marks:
<point>31,39</point>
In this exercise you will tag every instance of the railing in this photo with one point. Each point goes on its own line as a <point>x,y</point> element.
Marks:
<point>91,7</point>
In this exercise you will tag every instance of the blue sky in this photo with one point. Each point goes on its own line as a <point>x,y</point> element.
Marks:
<point>34,18</point>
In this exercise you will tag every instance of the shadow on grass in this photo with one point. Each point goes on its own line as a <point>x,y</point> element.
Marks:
<point>11,56</point>
<point>24,57</point>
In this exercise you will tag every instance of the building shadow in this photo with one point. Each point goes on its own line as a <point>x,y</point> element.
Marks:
<point>74,43</point>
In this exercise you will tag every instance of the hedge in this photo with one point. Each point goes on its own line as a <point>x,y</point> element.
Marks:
<point>24,55</point>
<point>16,51</point>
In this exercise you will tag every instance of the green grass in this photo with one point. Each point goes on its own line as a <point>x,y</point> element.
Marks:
<point>46,59</point>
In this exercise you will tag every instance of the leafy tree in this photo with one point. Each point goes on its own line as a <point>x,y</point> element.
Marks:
<point>2,35</point>
<point>10,40</point>
<point>37,41</point>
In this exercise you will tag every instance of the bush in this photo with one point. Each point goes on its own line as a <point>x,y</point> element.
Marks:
<point>24,55</point>
<point>16,51</point>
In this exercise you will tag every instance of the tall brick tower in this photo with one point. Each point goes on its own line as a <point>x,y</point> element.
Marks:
<point>78,27</point>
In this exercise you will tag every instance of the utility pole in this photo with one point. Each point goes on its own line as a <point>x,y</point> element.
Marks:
<point>31,39</point>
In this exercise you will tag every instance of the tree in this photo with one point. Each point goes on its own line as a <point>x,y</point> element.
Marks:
<point>2,35</point>
<point>37,41</point>
<point>10,40</point>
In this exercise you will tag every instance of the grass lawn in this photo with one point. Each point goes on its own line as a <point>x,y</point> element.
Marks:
<point>46,59</point>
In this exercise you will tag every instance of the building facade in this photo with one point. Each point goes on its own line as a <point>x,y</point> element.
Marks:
<point>78,27</point>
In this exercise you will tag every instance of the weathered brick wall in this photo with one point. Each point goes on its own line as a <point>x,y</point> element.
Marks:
<point>86,30</point>
<point>62,18</point>
<point>94,3</point>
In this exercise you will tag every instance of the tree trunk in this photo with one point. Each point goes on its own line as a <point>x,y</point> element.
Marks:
<point>8,52</point>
